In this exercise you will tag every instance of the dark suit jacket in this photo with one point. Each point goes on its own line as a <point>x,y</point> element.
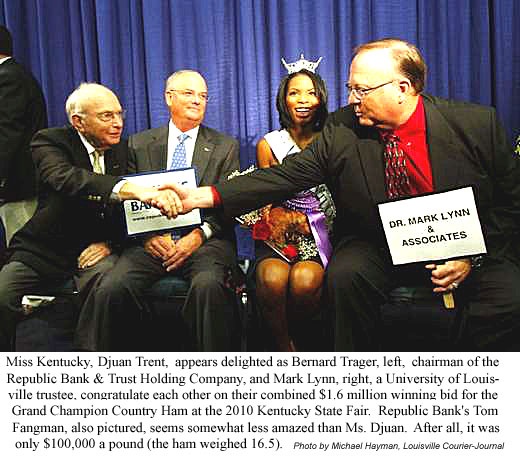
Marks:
<point>73,203</point>
<point>466,145</point>
<point>22,113</point>
<point>215,156</point>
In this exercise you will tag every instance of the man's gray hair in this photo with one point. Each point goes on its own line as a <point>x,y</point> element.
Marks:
<point>75,103</point>
<point>174,75</point>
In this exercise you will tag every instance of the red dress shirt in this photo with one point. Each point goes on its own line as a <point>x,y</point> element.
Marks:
<point>412,140</point>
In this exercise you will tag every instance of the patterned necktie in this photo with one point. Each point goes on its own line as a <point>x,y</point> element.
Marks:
<point>179,155</point>
<point>396,173</point>
<point>96,166</point>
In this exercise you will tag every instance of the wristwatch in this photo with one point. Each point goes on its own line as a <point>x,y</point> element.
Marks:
<point>476,262</point>
<point>206,231</point>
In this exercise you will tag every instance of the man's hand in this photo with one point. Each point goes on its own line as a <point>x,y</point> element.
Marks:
<point>449,275</point>
<point>184,248</point>
<point>165,200</point>
<point>191,198</point>
<point>160,246</point>
<point>93,254</point>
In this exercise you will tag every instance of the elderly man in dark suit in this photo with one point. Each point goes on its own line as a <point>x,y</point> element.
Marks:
<point>22,113</point>
<point>446,144</point>
<point>202,255</point>
<point>72,232</point>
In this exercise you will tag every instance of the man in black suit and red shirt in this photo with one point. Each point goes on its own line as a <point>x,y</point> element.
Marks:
<point>72,232</point>
<point>446,144</point>
<point>22,113</point>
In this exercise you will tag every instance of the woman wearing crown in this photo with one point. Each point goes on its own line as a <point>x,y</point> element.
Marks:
<point>288,291</point>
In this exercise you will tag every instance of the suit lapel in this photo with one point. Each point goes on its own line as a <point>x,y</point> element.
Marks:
<point>370,152</point>
<point>158,150</point>
<point>82,156</point>
<point>444,148</point>
<point>113,162</point>
<point>202,153</point>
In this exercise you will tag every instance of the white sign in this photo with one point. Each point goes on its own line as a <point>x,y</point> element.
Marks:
<point>142,218</point>
<point>433,227</point>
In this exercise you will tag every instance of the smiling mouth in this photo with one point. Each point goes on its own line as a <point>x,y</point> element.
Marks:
<point>303,111</point>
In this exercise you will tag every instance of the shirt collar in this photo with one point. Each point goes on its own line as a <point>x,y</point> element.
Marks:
<point>176,132</point>
<point>90,148</point>
<point>415,124</point>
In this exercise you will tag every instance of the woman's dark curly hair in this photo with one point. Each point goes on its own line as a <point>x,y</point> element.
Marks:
<point>321,92</point>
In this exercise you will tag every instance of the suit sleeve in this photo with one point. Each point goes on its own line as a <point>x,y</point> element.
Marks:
<point>132,158</point>
<point>57,170</point>
<point>503,217</point>
<point>222,225</point>
<point>13,97</point>
<point>279,182</point>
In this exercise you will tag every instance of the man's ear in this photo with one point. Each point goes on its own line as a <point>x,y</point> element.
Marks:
<point>405,89</point>
<point>77,122</point>
<point>168,98</point>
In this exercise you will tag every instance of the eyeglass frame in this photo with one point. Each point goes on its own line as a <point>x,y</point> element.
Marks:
<point>361,93</point>
<point>189,94</point>
<point>107,117</point>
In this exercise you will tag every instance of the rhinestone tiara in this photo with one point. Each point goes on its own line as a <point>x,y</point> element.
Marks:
<point>302,63</point>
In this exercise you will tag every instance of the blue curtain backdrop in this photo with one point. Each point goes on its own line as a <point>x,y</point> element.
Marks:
<point>472,48</point>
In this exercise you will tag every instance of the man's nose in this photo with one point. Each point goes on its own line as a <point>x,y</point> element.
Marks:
<point>198,98</point>
<point>117,121</point>
<point>352,98</point>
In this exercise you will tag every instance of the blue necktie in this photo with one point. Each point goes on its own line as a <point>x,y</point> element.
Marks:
<point>179,155</point>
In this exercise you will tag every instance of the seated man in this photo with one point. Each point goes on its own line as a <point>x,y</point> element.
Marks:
<point>203,255</point>
<point>72,231</point>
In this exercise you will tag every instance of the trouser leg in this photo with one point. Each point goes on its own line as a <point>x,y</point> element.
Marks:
<point>210,310</point>
<point>16,280</point>
<point>112,295</point>
<point>492,314</point>
<point>358,279</point>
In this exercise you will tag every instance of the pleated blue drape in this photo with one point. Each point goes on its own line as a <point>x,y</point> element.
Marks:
<point>472,48</point>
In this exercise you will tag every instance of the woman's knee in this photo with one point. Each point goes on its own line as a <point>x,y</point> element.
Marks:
<point>272,275</point>
<point>305,280</point>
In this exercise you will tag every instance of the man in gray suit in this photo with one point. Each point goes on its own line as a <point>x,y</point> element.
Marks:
<point>202,255</point>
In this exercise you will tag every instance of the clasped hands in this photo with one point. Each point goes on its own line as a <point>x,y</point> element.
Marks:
<point>173,253</point>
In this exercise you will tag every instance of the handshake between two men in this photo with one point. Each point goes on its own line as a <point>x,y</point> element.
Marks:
<point>174,199</point>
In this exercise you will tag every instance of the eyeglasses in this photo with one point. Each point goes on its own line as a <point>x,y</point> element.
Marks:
<point>189,94</point>
<point>109,116</point>
<point>360,93</point>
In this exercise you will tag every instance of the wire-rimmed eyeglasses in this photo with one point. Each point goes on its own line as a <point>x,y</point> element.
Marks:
<point>360,93</point>
<point>109,116</point>
<point>189,94</point>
